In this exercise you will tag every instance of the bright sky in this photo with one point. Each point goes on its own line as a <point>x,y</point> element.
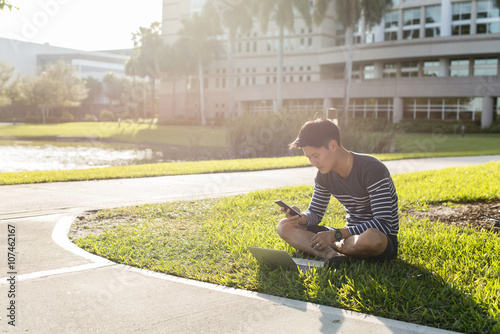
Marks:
<point>88,25</point>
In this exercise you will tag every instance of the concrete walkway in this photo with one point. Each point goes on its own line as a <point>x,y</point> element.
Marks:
<point>59,288</point>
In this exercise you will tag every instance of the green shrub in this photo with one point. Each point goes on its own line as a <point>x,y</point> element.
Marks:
<point>90,118</point>
<point>107,116</point>
<point>39,120</point>
<point>67,117</point>
<point>435,126</point>
<point>494,128</point>
<point>264,134</point>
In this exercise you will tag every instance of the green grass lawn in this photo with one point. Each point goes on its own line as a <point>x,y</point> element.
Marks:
<point>124,132</point>
<point>445,276</point>
<point>410,146</point>
<point>446,143</point>
<point>216,137</point>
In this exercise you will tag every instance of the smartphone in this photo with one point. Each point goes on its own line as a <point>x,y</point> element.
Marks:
<point>293,212</point>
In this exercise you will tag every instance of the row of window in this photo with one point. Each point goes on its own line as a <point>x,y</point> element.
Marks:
<point>486,20</point>
<point>446,108</point>
<point>289,44</point>
<point>418,22</point>
<point>426,21</point>
<point>220,82</point>
<point>457,67</point>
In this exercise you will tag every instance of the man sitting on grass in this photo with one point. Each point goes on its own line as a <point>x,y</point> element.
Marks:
<point>362,184</point>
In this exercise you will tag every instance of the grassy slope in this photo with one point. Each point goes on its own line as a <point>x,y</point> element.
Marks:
<point>450,280</point>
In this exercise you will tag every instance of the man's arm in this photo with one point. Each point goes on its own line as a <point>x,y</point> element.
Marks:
<point>317,206</point>
<point>382,195</point>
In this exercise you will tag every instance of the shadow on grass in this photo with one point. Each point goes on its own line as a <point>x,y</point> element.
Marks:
<point>395,290</point>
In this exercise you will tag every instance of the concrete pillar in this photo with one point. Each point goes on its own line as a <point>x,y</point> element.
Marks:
<point>446,15</point>
<point>400,24</point>
<point>444,67</point>
<point>327,104</point>
<point>422,22</point>
<point>487,112</point>
<point>378,70</point>
<point>473,15</point>
<point>398,108</point>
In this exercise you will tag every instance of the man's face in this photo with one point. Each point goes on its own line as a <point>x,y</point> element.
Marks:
<point>320,157</point>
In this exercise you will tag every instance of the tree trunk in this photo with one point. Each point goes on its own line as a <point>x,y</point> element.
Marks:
<point>279,93</point>
<point>230,72</point>
<point>173,95</point>
<point>152,80</point>
<point>348,74</point>
<point>202,93</point>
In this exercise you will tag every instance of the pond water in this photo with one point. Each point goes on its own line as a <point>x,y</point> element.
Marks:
<point>18,156</point>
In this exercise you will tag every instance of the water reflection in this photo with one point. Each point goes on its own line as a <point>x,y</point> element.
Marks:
<point>31,156</point>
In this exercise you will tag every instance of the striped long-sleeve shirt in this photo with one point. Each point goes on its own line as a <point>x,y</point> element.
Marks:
<point>367,193</point>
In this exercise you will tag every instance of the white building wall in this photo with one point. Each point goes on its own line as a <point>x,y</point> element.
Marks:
<point>23,55</point>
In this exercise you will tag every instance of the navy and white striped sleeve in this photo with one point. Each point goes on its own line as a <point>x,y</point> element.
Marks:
<point>383,203</point>
<point>317,207</point>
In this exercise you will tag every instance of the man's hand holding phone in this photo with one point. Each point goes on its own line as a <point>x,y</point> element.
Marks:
<point>292,213</point>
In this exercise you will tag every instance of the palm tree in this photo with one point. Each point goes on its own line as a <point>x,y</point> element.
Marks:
<point>282,12</point>
<point>148,43</point>
<point>197,37</point>
<point>173,63</point>
<point>234,18</point>
<point>6,73</point>
<point>349,13</point>
<point>94,87</point>
<point>132,68</point>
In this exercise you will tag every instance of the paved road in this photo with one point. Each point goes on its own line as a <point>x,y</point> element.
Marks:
<point>61,289</point>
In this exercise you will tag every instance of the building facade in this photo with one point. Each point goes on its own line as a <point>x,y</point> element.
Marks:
<point>30,58</point>
<point>427,59</point>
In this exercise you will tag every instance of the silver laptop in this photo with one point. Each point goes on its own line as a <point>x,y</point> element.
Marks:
<point>279,258</point>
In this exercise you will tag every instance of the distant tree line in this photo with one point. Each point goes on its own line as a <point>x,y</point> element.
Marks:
<point>58,93</point>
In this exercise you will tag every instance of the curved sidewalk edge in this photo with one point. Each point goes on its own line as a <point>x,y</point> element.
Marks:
<point>349,320</point>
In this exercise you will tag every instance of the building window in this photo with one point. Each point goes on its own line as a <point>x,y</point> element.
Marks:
<point>487,66</point>
<point>411,17</point>
<point>461,18</point>
<point>430,68</point>
<point>432,21</point>
<point>302,43</point>
<point>488,21</point>
<point>459,68</point>
<point>486,9</point>
<point>409,69</point>
<point>369,72</point>
<point>369,37</point>
<point>390,70</point>
<point>391,21</point>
